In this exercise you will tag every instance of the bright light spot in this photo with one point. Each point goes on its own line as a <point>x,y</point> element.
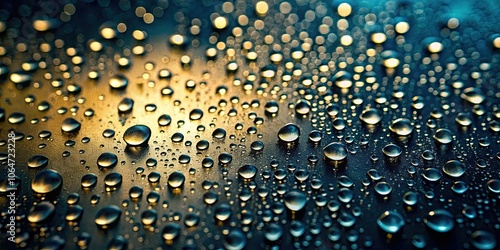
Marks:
<point>344,9</point>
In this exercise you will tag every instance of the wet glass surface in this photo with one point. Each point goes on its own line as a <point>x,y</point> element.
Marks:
<point>249,124</point>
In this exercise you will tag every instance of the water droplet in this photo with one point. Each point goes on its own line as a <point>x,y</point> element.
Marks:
<point>16,118</point>
<point>107,216</point>
<point>443,136</point>
<point>481,239</point>
<point>41,212</point>
<point>171,231</point>
<point>70,125</point>
<point>272,108</point>
<point>295,200</point>
<point>401,126</point>
<point>273,232</point>
<point>74,213</point>
<point>431,175</point>
<point>302,107</point>
<point>392,150</point>
<point>118,242</point>
<point>89,180</point>
<point>235,240</point>
<point>494,186</point>
<point>473,95</point>
<point>137,135</point>
<point>195,114</point>
<point>343,79</point>
<point>149,217</point>
<point>107,160</point>
<point>176,179</point>
<point>191,219</point>
<point>454,168</point>
<point>440,220</point>
<point>371,116</point>
<point>247,171</point>
<point>126,105</point>
<point>459,187</point>
<point>164,120</point>
<point>391,221</point>
<point>118,81</point>
<point>345,195</point>
<point>410,198</point>
<point>222,212</point>
<point>38,161</point>
<point>46,181</point>
<point>335,151</point>
<point>112,181</point>
<point>383,188</point>
<point>219,133</point>
<point>135,192</point>
<point>289,133</point>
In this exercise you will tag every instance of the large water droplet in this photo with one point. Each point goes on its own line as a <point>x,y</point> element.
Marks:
<point>41,212</point>
<point>440,220</point>
<point>176,179</point>
<point>247,171</point>
<point>107,216</point>
<point>443,136</point>
<point>392,150</point>
<point>70,125</point>
<point>295,200</point>
<point>170,231</point>
<point>289,133</point>
<point>371,116</point>
<point>273,231</point>
<point>16,118</point>
<point>38,161</point>
<point>483,240</point>
<point>46,181</point>
<point>118,81</point>
<point>391,221</point>
<point>335,151</point>
<point>107,160</point>
<point>195,114</point>
<point>401,126</point>
<point>473,95</point>
<point>454,168</point>
<point>137,135</point>
<point>235,240</point>
<point>89,180</point>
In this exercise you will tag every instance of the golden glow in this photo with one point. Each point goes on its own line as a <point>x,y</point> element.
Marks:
<point>138,50</point>
<point>435,47</point>
<point>391,62</point>
<point>378,37</point>
<point>346,40</point>
<point>211,52</point>
<point>42,25</point>
<point>453,23</point>
<point>344,9</point>
<point>261,8</point>
<point>148,18</point>
<point>220,22</point>
<point>77,60</point>
<point>402,27</point>
<point>95,46</point>
<point>139,35</point>
<point>108,33</point>
<point>496,42</point>
<point>177,39</point>
<point>123,61</point>
<point>3,26</point>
